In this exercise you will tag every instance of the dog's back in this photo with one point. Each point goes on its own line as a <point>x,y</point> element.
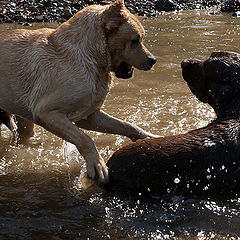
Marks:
<point>21,52</point>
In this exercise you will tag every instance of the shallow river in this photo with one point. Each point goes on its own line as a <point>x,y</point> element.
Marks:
<point>41,196</point>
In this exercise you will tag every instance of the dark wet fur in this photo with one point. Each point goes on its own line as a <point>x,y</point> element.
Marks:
<point>205,161</point>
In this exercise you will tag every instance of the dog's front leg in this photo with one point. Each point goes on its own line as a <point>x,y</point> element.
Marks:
<point>61,126</point>
<point>102,122</point>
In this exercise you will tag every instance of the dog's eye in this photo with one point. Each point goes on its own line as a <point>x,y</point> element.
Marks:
<point>136,42</point>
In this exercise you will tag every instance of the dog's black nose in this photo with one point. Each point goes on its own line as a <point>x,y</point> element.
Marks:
<point>153,60</point>
<point>184,63</point>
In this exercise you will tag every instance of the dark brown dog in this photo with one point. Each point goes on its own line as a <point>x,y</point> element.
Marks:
<point>205,161</point>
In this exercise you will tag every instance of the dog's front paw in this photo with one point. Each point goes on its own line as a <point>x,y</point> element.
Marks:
<point>143,135</point>
<point>150,135</point>
<point>98,169</point>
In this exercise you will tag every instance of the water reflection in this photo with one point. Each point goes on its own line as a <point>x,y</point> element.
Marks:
<point>41,196</point>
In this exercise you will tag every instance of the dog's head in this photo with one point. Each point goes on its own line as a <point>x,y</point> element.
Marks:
<point>216,81</point>
<point>125,41</point>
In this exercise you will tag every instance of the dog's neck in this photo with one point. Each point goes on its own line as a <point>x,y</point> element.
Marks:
<point>80,39</point>
<point>228,114</point>
<point>227,111</point>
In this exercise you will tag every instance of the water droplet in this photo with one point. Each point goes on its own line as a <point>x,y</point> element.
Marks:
<point>205,188</point>
<point>176,180</point>
<point>208,177</point>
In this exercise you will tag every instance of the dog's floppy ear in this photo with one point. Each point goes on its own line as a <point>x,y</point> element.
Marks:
<point>118,2</point>
<point>113,17</point>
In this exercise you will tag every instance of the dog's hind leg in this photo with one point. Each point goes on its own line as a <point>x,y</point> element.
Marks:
<point>7,119</point>
<point>23,128</point>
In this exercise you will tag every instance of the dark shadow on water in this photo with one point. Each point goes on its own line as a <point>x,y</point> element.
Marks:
<point>42,207</point>
<point>47,206</point>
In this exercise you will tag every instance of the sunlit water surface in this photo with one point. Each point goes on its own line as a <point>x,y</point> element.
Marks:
<point>41,196</point>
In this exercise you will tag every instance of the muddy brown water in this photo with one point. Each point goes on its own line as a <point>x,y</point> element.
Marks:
<point>41,195</point>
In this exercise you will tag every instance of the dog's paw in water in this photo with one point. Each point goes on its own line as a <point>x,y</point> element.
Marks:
<point>97,169</point>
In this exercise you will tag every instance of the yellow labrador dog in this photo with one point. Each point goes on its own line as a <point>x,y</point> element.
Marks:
<point>59,78</point>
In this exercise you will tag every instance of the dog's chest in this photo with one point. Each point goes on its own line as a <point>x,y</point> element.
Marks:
<point>87,105</point>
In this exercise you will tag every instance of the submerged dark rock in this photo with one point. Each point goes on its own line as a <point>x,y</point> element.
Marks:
<point>205,161</point>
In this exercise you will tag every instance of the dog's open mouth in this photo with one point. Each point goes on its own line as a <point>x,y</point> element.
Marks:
<point>124,71</point>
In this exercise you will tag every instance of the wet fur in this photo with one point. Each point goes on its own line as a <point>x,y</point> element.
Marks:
<point>54,77</point>
<point>204,161</point>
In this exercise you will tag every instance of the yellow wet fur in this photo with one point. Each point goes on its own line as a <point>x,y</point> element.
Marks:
<point>57,77</point>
